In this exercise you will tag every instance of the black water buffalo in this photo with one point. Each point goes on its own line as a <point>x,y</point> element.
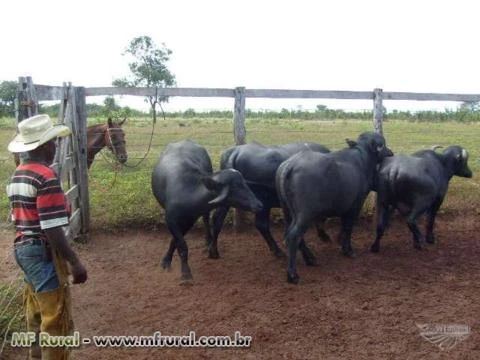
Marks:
<point>258,164</point>
<point>184,184</point>
<point>415,185</point>
<point>315,186</point>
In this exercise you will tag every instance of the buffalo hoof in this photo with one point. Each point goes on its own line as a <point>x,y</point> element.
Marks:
<point>430,239</point>
<point>186,279</point>
<point>213,253</point>
<point>186,282</point>
<point>311,261</point>
<point>375,248</point>
<point>166,265</point>
<point>293,279</point>
<point>326,238</point>
<point>279,253</point>
<point>349,253</point>
<point>418,246</point>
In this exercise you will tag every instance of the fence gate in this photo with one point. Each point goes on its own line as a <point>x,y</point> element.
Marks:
<point>71,158</point>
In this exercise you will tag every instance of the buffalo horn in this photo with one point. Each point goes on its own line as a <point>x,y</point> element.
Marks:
<point>221,196</point>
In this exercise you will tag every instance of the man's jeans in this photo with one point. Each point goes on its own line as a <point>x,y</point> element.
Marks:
<point>47,298</point>
<point>37,265</point>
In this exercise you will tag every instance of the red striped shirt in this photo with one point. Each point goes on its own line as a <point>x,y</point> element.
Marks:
<point>37,200</point>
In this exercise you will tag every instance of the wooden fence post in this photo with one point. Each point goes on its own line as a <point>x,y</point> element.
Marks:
<point>82,174</point>
<point>239,134</point>
<point>378,111</point>
<point>378,127</point>
<point>63,144</point>
<point>26,104</point>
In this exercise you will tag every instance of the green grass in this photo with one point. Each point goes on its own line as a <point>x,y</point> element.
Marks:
<point>11,310</point>
<point>121,198</point>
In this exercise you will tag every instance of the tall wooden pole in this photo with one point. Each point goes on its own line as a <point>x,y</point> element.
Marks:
<point>239,134</point>
<point>378,111</point>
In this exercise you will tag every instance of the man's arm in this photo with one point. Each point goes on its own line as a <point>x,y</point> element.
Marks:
<point>56,238</point>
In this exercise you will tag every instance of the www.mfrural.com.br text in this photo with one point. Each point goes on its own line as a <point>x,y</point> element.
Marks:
<point>27,339</point>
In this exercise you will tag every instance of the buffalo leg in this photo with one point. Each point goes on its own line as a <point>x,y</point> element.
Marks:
<point>322,235</point>
<point>308,257</point>
<point>412,225</point>
<point>262,223</point>
<point>293,238</point>
<point>432,213</point>
<point>218,219</point>
<point>208,231</point>
<point>166,263</point>
<point>382,221</point>
<point>182,248</point>
<point>307,254</point>
<point>346,234</point>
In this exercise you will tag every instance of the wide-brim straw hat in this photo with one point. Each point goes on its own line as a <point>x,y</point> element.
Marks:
<point>35,131</point>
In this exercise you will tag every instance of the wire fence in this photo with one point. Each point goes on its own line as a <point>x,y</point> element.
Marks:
<point>121,195</point>
<point>126,189</point>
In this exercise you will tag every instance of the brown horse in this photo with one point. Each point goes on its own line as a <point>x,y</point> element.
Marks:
<point>110,135</point>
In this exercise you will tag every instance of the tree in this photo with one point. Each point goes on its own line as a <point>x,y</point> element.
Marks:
<point>112,109</point>
<point>8,93</point>
<point>110,104</point>
<point>149,68</point>
<point>471,106</point>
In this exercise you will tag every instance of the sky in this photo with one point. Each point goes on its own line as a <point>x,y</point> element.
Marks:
<point>408,45</point>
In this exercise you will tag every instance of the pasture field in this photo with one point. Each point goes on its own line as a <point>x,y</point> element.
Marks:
<point>369,307</point>
<point>121,197</point>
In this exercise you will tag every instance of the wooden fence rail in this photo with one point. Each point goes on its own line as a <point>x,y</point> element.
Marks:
<point>45,92</point>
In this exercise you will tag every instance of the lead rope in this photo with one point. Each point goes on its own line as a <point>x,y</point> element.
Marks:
<point>149,143</point>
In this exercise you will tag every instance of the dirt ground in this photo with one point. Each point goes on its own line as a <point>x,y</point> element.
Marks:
<point>362,308</point>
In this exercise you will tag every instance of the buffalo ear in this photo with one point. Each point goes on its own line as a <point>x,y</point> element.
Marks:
<point>351,143</point>
<point>211,183</point>
<point>122,122</point>
<point>375,147</point>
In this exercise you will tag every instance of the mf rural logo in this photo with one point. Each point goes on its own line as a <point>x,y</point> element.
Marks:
<point>444,336</point>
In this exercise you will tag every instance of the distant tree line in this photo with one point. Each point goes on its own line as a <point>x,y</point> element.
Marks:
<point>467,112</point>
<point>8,93</point>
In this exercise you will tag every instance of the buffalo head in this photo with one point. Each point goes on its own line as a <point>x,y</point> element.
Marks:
<point>374,143</point>
<point>231,189</point>
<point>458,156</point>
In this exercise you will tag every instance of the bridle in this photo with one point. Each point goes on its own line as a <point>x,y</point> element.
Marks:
<point>109,142</point>
<point>107,138</point>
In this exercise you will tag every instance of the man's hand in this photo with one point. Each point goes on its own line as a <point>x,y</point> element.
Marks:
<point>79,273</point>
<point>56,238</point>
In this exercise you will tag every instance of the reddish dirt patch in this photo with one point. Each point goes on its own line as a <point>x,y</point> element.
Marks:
<point>362,308</point>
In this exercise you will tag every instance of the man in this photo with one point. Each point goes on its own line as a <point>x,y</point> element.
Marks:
<point>39,211</point>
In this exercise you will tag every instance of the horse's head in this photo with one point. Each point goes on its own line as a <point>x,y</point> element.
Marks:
<point>115,140</point>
